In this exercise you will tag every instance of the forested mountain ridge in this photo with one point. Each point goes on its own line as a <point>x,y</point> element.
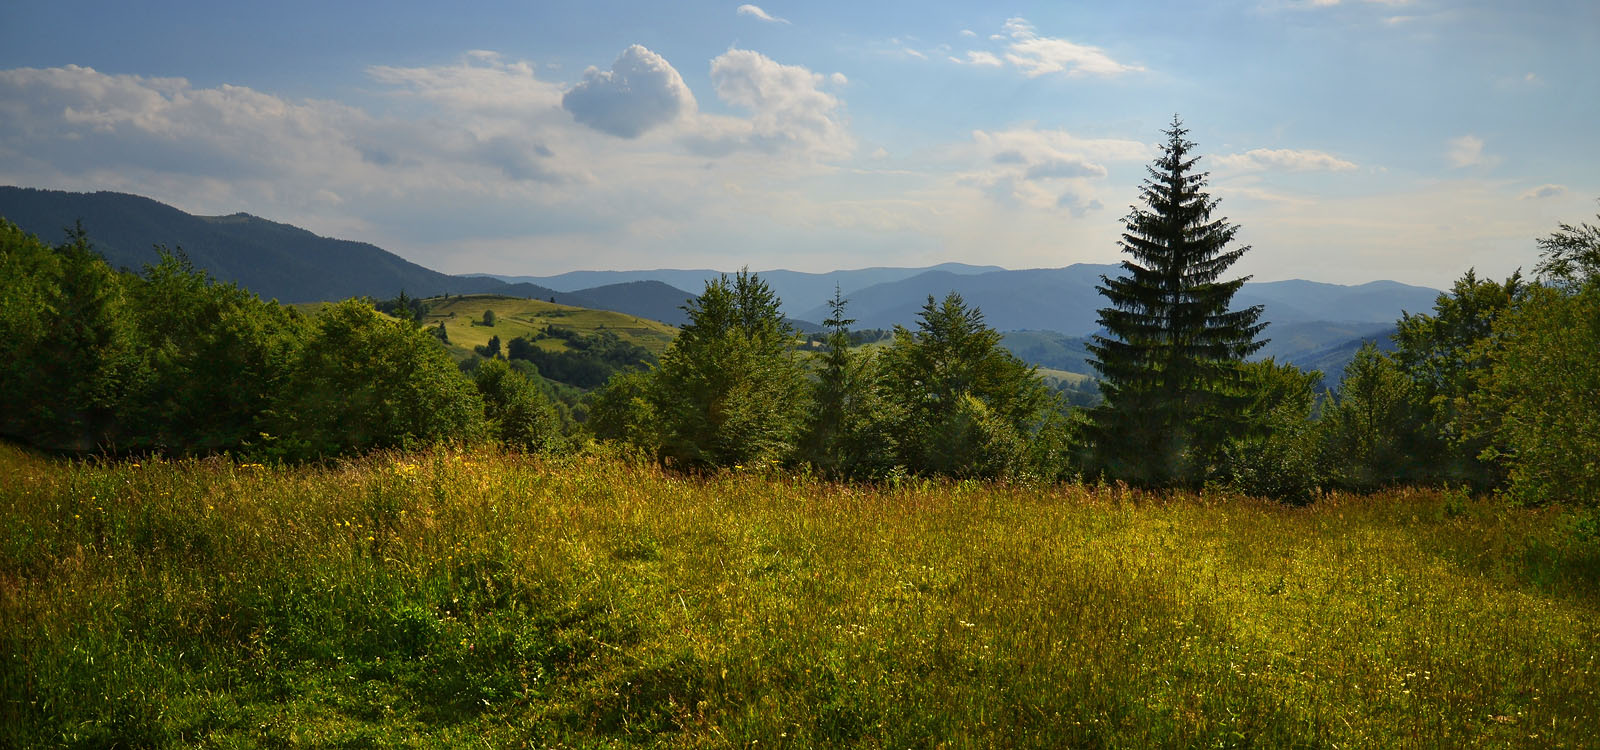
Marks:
<point>284,262</point>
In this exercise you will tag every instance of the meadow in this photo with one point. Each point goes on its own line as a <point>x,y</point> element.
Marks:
<point>480,599</point>
<point>515,316</point>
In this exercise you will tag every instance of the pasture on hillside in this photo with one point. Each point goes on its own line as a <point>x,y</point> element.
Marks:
<point>515,316</point>
<point>476,598</point>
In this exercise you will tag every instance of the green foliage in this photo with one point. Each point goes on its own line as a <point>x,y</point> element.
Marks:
<point>518,413</point>
<point>1372,427</point>
<point>69,337</point>
<point>1443,353</point>
<point>490,350</point>
<point>213,356</point>
<point>1277,455</point>
<point>1570,256</point>
<point>847,434</point>
<point>729,391</point>
<point>587,361</point>
<point>1169,362</point>
<point>405,307</point>
<point>488,318</point>
<point>362,381</point>
<point>1542,386</point>
<point>964,406</point>
<point>622,411</point>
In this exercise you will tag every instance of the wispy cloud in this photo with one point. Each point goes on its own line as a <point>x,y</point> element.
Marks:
<point>1037,55</point>
<point>980,58</point>
<point>757,13</point>
<point>1293,160</point>
<point>1544,191</point>
<point>1466,151</point>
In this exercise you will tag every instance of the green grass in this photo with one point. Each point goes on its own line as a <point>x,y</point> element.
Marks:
<point>515,316</point>
<point>479,599</point>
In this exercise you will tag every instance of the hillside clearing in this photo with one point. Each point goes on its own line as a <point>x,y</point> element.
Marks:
<point>451,597</point>
<point>515,316</point>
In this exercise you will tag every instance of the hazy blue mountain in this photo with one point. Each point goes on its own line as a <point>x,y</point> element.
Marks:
<point>1297,300</point>
<point>1298,342</point>
<point>799,291</point>
<point>646,299</point>
<point>1064,299</point>
<point>1333,359</point>
<point>1056,351</point>
<point>1054,299</point>
<point>1304,345</point>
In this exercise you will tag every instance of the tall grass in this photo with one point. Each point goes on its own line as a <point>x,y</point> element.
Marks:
<point>478,599</point>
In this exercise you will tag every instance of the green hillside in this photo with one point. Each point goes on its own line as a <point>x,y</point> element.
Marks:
<point>515,316</point>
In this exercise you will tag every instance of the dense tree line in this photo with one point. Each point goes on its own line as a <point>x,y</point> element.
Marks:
<point>166,359</point>
<point>587,362</point>
<point>1495,388</point>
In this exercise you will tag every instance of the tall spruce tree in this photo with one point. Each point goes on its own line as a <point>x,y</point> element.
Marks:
<point>1169,360</point>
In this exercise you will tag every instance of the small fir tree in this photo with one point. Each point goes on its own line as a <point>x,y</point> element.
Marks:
<point>1169,360</point>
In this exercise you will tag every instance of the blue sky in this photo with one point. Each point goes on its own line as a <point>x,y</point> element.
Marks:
<point>1351,140</point>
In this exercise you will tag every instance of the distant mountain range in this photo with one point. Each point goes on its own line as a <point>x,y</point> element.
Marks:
<point>1313,324</point>
<point>287,263</point>
<point>799,291</point>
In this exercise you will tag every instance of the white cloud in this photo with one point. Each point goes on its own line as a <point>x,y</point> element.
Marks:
<point>981,58</point>
<point>1293,160</point>
<point>838,79</point>
<point>1037,55</point>
<point>969,33</point>
<point>1544,191</point>
<point>1043,170</point>
<point>1466,151</point>
<point>758,13</point>
<point>788,110</point>
<point>640,92</point>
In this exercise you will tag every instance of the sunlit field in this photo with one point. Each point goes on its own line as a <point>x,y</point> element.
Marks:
<point>478,599</point>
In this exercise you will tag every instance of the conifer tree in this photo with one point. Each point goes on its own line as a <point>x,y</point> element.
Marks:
<point>1169,360</point>
<point>729,391</point>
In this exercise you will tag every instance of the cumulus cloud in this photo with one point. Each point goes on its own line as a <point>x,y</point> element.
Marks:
<point>1465,151</point>
<point>1292,160</point>
<point>1037,55</point>
<point>788,109</point>
<point>641,91</point>
<point>1544,191</point>
<point>757,13</point>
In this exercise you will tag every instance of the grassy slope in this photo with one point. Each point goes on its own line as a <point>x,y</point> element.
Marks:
<point>449,598</point>
<point>525,317</point>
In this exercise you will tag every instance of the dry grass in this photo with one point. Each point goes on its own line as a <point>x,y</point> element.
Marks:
<point>480,599</point>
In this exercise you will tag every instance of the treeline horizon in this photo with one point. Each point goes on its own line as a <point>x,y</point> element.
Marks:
<point>1493,389</point>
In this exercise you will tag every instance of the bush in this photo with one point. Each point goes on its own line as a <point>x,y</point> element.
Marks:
<point>362,382</point>
<point>1542,383</point>
<point>518,413</point>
